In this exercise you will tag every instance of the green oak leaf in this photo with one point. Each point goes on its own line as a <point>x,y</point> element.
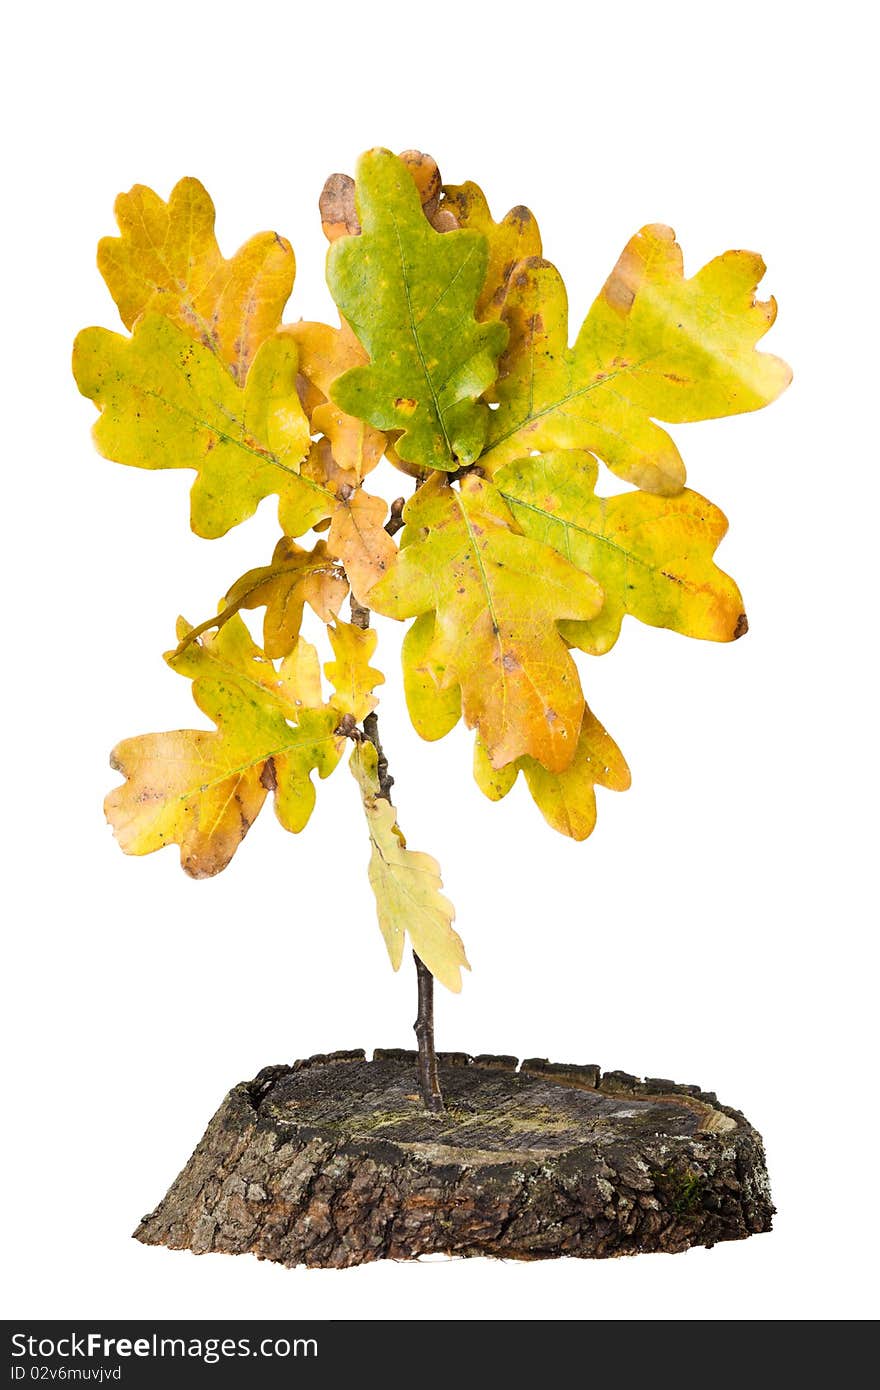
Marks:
<point>410,293</point>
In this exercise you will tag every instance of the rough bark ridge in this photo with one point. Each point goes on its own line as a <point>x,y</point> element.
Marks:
<point>334,1162</point>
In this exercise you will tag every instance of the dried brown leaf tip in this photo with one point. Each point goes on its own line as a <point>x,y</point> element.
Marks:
<point>426,177</point>
<point>338,203</point>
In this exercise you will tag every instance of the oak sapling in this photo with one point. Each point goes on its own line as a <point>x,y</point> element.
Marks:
<point>452,364</point>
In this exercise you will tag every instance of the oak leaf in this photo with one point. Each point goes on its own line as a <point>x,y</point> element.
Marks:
<point>167,402</point>
<point>202,790</point>
<point>167,260</point>
<point>406,884</point>
<point>351,675</point>
<point>434,708</point>
<point>409,294</point>
<point>358,537</point>
<point>513,239</point>
<point>566,799</point>
<point>324,354</point>
<point>652,555</point>
<point>654,345</point>
<point>302,676</point>
<point>293,578</point>
<point>497,597</point>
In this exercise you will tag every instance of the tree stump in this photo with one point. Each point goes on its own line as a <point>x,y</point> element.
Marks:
<point>334,1162</point>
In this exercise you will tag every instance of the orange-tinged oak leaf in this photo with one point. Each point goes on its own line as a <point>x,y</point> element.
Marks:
<point>167,402</point>
<point>202,790</point>
<point>324,354</point>
<point>358,537</point>
<point>652,555</point>
<point>294,577</point>
<point>406,884</point>
<point>351,675</point>
<point>654,346</point>
<point>566,799</point>
<point>497,597</point>
<point>167,260</point>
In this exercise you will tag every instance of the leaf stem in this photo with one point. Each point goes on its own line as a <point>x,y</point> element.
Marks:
<point>429,1080</point>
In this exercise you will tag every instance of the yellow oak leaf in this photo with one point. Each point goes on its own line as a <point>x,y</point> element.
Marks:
<point>184,787</point>
<point>324,354</point>
<point>202,790</point>
<point>567,799</point>
<point>494,782</point>
<point>406,884</point>
<point>351,675</point>
<point>511,240</point>
<point>302,676</point>
<point>433,708</point>
<point>497,597</point>
<point>409,294</point>
<point>652,555</point>
<point>357,536</point>
<point>296,577</point>
<point>654,346</point>
<point>167,402</point>
<point>167,260</point>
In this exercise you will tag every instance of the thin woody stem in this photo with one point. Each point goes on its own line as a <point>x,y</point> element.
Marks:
<point>429,1080</point>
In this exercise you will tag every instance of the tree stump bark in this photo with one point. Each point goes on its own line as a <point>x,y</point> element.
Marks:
<point>334,1162</point>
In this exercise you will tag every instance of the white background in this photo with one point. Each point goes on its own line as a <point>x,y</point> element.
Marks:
<point>717,927</point>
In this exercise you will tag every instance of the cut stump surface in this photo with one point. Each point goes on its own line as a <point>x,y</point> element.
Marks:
<point>334,1162</point>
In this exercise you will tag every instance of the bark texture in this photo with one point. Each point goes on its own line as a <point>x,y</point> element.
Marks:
<point>334,1162</point>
